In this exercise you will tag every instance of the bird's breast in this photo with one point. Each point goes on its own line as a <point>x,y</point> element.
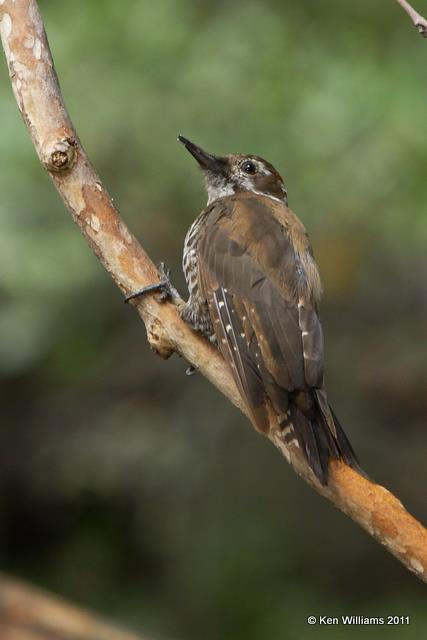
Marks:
<point>190,254</point>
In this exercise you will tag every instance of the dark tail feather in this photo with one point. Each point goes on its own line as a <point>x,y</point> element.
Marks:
<point>308,439</point>
<point>347,451</point>
<point>315,433</point>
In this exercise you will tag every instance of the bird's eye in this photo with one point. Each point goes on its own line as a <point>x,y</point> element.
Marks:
<point>249,167</point>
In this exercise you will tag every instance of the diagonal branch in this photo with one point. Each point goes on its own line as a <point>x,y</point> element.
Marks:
<point>27,613</point>
<point>38,95</point>
<point>418,21</point>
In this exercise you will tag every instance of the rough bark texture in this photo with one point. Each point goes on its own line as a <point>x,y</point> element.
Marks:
<point>39,99</point>
<point>30,614</point>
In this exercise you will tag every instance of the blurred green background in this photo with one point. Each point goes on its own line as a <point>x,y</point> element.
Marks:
<point>129,487</point>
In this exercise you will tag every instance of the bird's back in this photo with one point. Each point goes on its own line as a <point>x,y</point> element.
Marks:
<point>251,268</point>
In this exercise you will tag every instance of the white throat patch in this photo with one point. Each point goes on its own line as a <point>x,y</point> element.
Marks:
<point>222,191</point>
<point>219,191</point>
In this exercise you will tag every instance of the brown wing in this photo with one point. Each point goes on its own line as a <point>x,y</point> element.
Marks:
<point>254,282</point>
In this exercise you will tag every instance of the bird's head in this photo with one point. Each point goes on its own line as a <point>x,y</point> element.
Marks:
<point>227,175</point>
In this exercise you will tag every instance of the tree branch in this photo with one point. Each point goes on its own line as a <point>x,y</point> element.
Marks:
<point>38,95</point>
<point>418,21</point>
<point>27,613</point>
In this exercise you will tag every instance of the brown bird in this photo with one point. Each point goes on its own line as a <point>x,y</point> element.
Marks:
<point>254,291</point>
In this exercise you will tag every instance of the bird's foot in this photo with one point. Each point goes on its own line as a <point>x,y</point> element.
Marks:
<point>164,287</point>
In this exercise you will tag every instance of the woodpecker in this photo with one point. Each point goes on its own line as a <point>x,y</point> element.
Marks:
<point>254,291</point>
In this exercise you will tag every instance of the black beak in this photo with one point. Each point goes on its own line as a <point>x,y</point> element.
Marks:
<point>206,160</point>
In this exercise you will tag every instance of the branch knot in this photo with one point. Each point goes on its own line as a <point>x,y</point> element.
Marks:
<point>61,156</point>
<point>422,28</point>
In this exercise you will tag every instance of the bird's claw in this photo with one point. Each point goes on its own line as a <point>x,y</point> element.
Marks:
<point>164,287</point>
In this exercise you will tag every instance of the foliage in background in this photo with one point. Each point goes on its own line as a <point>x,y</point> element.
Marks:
<point>126,485</point>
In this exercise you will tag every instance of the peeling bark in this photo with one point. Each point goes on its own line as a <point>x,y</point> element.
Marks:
<point>38,95</point>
